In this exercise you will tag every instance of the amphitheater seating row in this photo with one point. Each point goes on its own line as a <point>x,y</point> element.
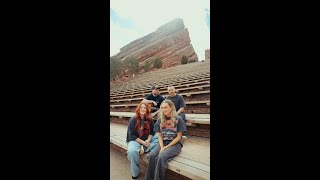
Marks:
<point>141,98</point>
<point>162,87</point>
<point>190,118</point>
<point>159,78</point>
<point>180,90</point>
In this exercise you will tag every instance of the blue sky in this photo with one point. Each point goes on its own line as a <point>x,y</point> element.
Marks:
<point>132,19</point>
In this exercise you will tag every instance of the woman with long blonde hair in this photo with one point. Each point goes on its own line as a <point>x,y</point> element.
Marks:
<point>169,127</point>
<point>139,135</point>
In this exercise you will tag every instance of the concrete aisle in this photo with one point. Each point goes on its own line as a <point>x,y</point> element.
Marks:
<point>120,166</point>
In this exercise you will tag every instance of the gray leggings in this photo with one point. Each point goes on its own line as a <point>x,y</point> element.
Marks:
<point>158,162</point>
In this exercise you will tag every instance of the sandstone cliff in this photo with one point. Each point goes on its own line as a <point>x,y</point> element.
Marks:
<point>169,43</point>
<point>207,54</point>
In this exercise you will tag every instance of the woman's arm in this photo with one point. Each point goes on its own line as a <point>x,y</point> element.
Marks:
<point>149,138</point>
<point>160,140</point>
<point>132,132</point>
<point>151,134</point>
<point>139,141</point>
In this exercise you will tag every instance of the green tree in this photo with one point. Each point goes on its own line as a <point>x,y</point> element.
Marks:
<point>115,67</point>
<point>184,60</point>
<point>157,63</point>
<point>132,65</point>
<point>147,65</point>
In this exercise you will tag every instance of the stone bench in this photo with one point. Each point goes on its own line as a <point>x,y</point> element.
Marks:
<point>160,82</point>
<point>199,102</point>
<point>190,118</point>
<point>207,102</point>
<point>141,98</point>
<point>161,88</point>
<point>193,162</point>
<point>165,92</point>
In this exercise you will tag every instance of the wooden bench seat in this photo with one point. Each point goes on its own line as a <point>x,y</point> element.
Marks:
<point>123,100</point>
<point>193,161</point>
<point>198,70</point>
<point>164,96</point>
<point>188,102</point>
<point>195,93</point>
<point>194,87</point>
<point>190,118</point>
<point>164,92</point>
<point>161,88</point>
<point>180,82</point>
<point>164,89</point>
<point>196,83</point>
<point>198,102</point>
<point>123,105</point>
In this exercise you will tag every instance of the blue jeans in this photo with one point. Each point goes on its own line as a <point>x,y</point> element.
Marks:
<point>134,155</point>
<point>154,141</point>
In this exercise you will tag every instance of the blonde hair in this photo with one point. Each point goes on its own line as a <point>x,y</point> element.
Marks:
<point>173,117</point>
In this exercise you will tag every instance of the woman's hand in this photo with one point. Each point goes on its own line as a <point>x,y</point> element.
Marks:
<point>162,149</point>
<point>147,145</point>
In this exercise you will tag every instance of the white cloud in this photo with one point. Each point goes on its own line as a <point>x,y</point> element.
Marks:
<point>148,15</point>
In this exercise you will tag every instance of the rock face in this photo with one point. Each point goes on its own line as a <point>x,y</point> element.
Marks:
<point>169,43</point>
<point>207,54</point>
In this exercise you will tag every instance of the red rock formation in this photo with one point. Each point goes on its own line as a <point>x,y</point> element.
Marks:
<point>169,43</point>
<point>207,54</point>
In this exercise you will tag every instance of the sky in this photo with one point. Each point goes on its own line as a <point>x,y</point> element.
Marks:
<point>132,19</point>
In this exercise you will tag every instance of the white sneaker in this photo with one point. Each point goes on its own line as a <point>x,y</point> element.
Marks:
<point>184,138</point>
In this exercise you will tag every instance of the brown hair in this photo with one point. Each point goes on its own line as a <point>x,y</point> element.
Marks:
<point>147,117</point>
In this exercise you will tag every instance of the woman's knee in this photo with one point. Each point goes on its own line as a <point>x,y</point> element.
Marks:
<point>132,152</point>
<point>152,154</point>
<point>161,157</point>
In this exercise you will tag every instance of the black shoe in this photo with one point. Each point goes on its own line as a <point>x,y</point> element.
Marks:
<point>134,177</point>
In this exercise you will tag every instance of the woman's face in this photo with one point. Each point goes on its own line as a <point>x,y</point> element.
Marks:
<point>143,109</point>
<point>166,109</point>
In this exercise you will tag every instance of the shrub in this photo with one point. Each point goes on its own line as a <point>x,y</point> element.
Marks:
<point>116,67</point>
<point>157,63</point>
<point>132,65</point>
<point>147,65</point>
<point>184,60</point>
